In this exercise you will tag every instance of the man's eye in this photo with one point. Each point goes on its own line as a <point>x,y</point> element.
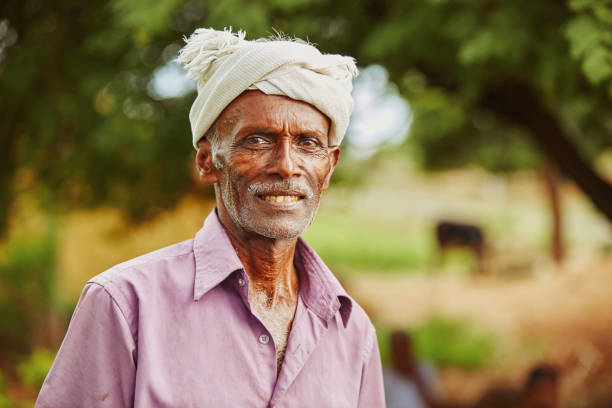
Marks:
<point>256,140</point>
<point>309,142</point>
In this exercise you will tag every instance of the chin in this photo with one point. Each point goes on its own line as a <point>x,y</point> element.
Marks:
<point>275,223</point>
<point>277,230</point>
<point>279,226</point>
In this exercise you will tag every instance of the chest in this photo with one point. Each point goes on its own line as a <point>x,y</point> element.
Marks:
<point>277,319</point>
<point>212,355</point>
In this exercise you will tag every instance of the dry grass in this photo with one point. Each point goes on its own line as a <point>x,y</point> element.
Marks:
<point>558,315</point>
<point>92,241</point>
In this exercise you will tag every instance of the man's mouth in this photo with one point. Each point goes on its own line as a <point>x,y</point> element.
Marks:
<point>280,198</point>
<point>283,194</point>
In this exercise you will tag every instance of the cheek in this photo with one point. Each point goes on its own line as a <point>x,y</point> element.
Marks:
<point>320,172</point>
<point>241,170</point>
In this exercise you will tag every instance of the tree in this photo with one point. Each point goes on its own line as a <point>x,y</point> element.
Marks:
<point>487,80</point>
<point>77,122</point>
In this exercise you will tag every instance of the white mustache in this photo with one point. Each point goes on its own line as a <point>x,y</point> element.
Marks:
<point>285,187</point>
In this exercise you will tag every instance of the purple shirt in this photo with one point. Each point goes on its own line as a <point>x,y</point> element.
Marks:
<point>173,328</point>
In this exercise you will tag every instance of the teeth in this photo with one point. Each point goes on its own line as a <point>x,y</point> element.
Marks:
<point>280,199</point>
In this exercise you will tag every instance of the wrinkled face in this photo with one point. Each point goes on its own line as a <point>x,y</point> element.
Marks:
<point>272,162</point>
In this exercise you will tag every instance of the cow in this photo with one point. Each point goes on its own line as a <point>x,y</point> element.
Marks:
<point>450,234</point>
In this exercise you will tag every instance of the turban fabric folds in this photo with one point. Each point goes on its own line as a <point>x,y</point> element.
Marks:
<point>225,65</point>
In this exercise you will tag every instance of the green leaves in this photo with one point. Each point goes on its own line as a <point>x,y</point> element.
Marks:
<point>388,39</point>
<point>35,367</point>
<point>291,5</point>
<point>583,33</point>
<point>145,17</point>
<point>501,37</point>
<point>578,5</point>
<point>481,46</point>
<point>590,38</point>
<point>458,343</point>
<point>597,64</point>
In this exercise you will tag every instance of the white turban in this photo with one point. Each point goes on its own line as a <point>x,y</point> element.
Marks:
<point>225,65</point>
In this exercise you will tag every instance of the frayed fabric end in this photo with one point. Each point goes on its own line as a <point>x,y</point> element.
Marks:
<point>205,46</point>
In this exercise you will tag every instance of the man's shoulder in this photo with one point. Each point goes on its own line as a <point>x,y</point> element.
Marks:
<point>149,267</point>
<point>136,283</point>
<point>359,320</point>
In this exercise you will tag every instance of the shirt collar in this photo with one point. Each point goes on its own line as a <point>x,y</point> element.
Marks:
<point>216,259</point>
<point>322,293</point>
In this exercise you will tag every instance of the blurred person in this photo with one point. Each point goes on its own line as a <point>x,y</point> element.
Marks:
<point>409,382</point>
<point>499,397</point>
<point>245,313</point>
<point>541,389</point>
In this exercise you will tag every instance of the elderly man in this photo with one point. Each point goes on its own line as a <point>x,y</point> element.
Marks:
<point>245,314</point>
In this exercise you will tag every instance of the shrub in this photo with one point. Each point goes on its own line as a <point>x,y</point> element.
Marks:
<point>27,268</point>
<point>445,342</point>
<point>457,343</point>
<point>33,370</point>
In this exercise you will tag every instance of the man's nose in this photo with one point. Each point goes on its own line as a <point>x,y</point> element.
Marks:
<point>284,161</point>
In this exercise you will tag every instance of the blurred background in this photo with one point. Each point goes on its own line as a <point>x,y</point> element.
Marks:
<point>471,207</point>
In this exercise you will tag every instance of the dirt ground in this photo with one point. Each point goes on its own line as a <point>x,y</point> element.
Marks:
<point>560,315</point>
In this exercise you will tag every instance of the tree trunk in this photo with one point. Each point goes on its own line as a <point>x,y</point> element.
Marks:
<point>550,177</point>
<point>519,103</point>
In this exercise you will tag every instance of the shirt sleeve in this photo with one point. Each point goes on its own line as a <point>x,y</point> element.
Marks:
<point>95,365</point>
<point>372,393</point>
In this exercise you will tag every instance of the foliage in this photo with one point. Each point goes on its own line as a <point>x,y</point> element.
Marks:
<point>27,270</point>
<point>383,336</point>
<point>456,343</point>
<point>7,401</point>
<point>453,53</point>
<point>4,401</point>
<point>79,118</point>
<point>33,370</point>
<point>590,36</point>
<point>350,172</point>
<point>82,121</point>
<point>445,342</point>
<point>494,82</point>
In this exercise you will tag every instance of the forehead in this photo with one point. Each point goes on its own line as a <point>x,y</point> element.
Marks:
<point>254,109</point>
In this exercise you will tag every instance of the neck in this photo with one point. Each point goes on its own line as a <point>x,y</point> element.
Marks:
<point>268,263</point>
<point>269,266</point>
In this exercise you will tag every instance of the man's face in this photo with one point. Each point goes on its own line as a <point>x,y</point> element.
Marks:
<point>272,162</point>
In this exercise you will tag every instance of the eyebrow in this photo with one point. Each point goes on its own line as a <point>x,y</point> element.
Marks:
<point>272,132</point>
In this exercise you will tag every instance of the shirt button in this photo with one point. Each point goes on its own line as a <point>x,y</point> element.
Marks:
<point>264,339</point>
<point>241,282</point>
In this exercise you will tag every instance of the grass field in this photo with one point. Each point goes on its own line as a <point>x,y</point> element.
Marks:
<point>351,242</point>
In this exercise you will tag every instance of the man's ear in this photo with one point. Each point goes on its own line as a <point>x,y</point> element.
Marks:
<point>334,155</point>
<point>207,172</point>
